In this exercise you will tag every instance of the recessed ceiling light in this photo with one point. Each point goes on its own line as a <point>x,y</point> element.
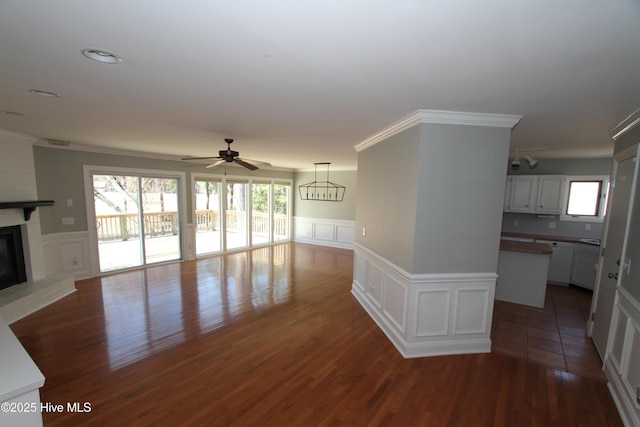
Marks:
<point>102,56</point>
<point>44,93</point>
<point>11,114</point>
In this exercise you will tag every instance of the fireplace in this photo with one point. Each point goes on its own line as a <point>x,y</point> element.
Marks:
<point>12,263</point>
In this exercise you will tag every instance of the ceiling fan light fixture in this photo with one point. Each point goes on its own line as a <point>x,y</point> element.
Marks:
<point>103,56</point>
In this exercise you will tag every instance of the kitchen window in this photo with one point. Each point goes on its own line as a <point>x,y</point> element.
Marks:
<point>585,198</point>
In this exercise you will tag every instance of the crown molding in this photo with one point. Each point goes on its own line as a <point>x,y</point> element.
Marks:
<point>626,125</point>
<point>15,135</point>
<point>440,117</point>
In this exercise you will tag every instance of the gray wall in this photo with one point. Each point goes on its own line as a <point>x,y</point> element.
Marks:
<point>345,210</point>
<point>431,198</point>
<point>59,176</point>
<point>386,200</point>
<point>530,224</point>
<point>461,194</point>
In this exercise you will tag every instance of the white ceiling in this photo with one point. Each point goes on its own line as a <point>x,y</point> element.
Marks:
<point>299,81</point>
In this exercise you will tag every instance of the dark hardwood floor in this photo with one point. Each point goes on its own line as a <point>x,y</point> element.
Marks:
<point>272,337</point>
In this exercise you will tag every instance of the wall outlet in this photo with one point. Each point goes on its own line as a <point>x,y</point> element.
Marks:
<point>587,227</point>
<point>364,231</point>
<point>69,202</point>
<point>552,225</point>
<point>515,223</point>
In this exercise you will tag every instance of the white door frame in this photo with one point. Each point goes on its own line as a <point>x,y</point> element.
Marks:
<point>89,170</point>
<point>618,158</point>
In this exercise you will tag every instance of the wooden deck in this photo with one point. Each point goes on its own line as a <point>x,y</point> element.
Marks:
<point>272,337</point>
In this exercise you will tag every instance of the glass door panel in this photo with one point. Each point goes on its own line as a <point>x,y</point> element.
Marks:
<point>116,202</point>
<point>281,211</point>
<point>130,207</point>
<point>236,215</point>
<point>260,230</point>
<point>207,202</point>
<point>160,218</point>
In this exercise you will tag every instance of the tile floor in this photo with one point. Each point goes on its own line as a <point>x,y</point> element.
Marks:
<point>554,336</point>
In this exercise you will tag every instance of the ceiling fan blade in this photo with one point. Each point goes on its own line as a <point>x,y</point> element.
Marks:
<point>200,158</point>
<point>258,162</point>
<point>213,165</point>
<point>245,164</point>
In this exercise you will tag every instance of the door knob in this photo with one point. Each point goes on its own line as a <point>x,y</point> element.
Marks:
<point>613,276</point>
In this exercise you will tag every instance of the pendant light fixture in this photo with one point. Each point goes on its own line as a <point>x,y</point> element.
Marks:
<point>326,191</point>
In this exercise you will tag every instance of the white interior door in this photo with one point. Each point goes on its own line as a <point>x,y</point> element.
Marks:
<point>617,216</point>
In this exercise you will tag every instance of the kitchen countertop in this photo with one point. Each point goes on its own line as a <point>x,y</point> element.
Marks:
<point>528,247</point>
<point>593,242</point>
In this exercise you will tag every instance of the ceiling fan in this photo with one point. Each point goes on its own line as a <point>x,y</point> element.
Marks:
<point>229,156</point>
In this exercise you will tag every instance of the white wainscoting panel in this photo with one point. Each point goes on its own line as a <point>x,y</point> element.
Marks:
<point>622,362</point>
<point>433,317</point>
<point>426,314</point>
<point>68,254</point>
<point>471,311</point>
<point>326,232</point>
<point>374,288</point>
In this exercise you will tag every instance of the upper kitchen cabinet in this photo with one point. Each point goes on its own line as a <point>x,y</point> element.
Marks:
<point>523,193</point>
<point>535,194</point>
<point>550,194</point>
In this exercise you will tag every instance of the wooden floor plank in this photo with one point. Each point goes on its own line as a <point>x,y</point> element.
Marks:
<point>272,337</point>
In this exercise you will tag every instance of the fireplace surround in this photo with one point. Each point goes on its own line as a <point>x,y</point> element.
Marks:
<point>12,259</point>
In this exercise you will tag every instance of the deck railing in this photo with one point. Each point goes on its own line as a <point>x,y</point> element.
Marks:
<point>126,226</point>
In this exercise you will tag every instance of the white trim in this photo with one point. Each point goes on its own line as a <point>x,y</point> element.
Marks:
<point>425,314</point>
<point>603,196</point>
<point>68,253</point>
<point>132,153</point>
<point>89,170</point>
<point>336,233</point>
<point>626,125</point>
<point>29,138</point>
<point>440,117</point>
<point>626,312</point>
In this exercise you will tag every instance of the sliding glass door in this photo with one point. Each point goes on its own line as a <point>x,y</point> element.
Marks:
<point>207,222</point>
<point>137,221</point>
<point>236,215</point>
<point>239,213</point>
<point>281,219</point>
<point>260,218</point>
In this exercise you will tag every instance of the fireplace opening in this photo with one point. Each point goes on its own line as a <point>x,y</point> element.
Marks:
<point>12,265</point>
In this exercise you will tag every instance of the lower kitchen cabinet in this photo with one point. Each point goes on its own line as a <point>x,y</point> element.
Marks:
<point>584,266</point>
<point>560,262</point>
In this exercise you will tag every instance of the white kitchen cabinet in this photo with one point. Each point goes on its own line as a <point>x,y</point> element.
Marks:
<point>523,193</point>
<point>550,192</point>
<point>535,194</point>
<point>584,266</point>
